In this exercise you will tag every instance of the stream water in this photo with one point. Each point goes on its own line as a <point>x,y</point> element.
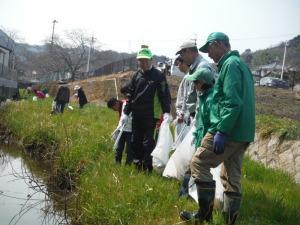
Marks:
<point>24,196</point>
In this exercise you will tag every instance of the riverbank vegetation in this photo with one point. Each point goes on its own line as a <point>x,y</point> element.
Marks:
<point>77,144</point>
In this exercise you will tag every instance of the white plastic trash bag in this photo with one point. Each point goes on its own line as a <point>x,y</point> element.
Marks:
<point>118,136</point>
<point>53,106</point>
<point>115,134</point>
<point>163,147</point>
<point>180,160</point>
<point>219,187</point>
<point>181,131</point>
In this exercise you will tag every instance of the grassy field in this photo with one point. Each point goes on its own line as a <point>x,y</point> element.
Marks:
<point>78,146</point>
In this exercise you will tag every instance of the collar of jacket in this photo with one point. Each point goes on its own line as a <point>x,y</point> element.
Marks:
<point>195,63</point>
<point>226,56</point>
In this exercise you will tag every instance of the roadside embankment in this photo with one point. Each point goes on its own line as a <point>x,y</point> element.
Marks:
<point>277,144</point>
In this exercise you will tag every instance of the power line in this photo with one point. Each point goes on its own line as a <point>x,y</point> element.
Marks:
<point>203,39</point>
<point>264,37</point>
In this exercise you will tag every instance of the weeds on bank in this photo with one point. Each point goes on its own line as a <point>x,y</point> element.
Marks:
<point>283,127</point>
<point>107,194</point>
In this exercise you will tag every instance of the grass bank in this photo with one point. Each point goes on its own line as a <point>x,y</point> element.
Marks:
<point>286,128</point>
<point>78,144</point>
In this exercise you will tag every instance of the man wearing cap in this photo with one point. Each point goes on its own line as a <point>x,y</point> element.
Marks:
<point>186,106</point>
<point>181,96</point>
<point>232,129</point>
<point>147,86</point>
<point>190,55</point>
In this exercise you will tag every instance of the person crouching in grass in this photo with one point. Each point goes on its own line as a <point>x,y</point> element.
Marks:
<point>118,106</point>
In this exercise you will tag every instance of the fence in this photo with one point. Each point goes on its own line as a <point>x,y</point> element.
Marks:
<point>116,67</point>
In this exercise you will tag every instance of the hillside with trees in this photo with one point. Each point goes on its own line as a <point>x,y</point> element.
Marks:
<point>73,54</point>
<point>275,54</point>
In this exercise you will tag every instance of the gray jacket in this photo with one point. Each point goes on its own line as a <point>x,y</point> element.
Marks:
<point>186,101</point>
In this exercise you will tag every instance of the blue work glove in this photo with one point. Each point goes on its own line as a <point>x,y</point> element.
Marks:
<point>219,143</point>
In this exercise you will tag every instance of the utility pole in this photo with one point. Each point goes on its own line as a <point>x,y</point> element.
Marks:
<point>89,55</point>
<point>283,61</point>
<point>195,38</point>
<point>54,21</point>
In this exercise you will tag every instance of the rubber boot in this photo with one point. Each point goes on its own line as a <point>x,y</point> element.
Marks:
<point>206,196</point>
<point>232,203</point>
<point>184,188</point>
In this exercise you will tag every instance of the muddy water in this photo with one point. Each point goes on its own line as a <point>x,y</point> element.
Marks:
<point>24,197</point>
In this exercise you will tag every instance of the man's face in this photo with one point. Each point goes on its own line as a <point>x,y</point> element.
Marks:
<point>214,51</point>
<point>145,64</point>
<point>183,67</point>
<point>188,56</point>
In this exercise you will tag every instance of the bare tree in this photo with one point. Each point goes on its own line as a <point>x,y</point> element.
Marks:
<point>72,51</point>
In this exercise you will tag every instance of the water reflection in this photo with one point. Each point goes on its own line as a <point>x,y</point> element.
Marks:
<point>24,197</point>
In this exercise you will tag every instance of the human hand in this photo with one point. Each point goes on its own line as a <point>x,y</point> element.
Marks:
<point>219,143</point>
<point>180,118</point>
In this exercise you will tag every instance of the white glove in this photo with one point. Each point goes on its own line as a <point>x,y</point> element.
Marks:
<point>124,119</point>
<point>167,117</point>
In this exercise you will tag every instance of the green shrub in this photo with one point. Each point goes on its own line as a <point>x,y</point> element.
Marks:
<point>24,94</point>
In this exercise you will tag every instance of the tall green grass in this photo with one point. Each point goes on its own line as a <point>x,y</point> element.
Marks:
<point>283,127</point>
<point>81,149</point>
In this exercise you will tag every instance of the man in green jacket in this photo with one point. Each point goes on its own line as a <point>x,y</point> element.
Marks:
<point>232,129</point>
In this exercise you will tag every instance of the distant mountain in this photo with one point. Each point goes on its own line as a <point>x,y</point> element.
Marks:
<point>30,48</point>
<point>275,54</point>
<point>28,54</point>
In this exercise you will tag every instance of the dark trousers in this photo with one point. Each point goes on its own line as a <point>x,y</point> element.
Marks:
<point>143,142</point>
<point>124,139</point>
<point>60,106</point>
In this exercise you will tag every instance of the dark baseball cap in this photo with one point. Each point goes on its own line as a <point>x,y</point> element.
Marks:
<point>215,36</point>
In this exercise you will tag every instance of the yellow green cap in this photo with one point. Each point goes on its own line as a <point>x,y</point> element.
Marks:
<point>144,53</point>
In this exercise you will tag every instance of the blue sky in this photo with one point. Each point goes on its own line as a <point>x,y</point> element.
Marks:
<point>163,25</point>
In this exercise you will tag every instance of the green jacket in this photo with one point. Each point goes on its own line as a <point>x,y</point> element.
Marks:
<point>203,116</point>
<point>234,100</point>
